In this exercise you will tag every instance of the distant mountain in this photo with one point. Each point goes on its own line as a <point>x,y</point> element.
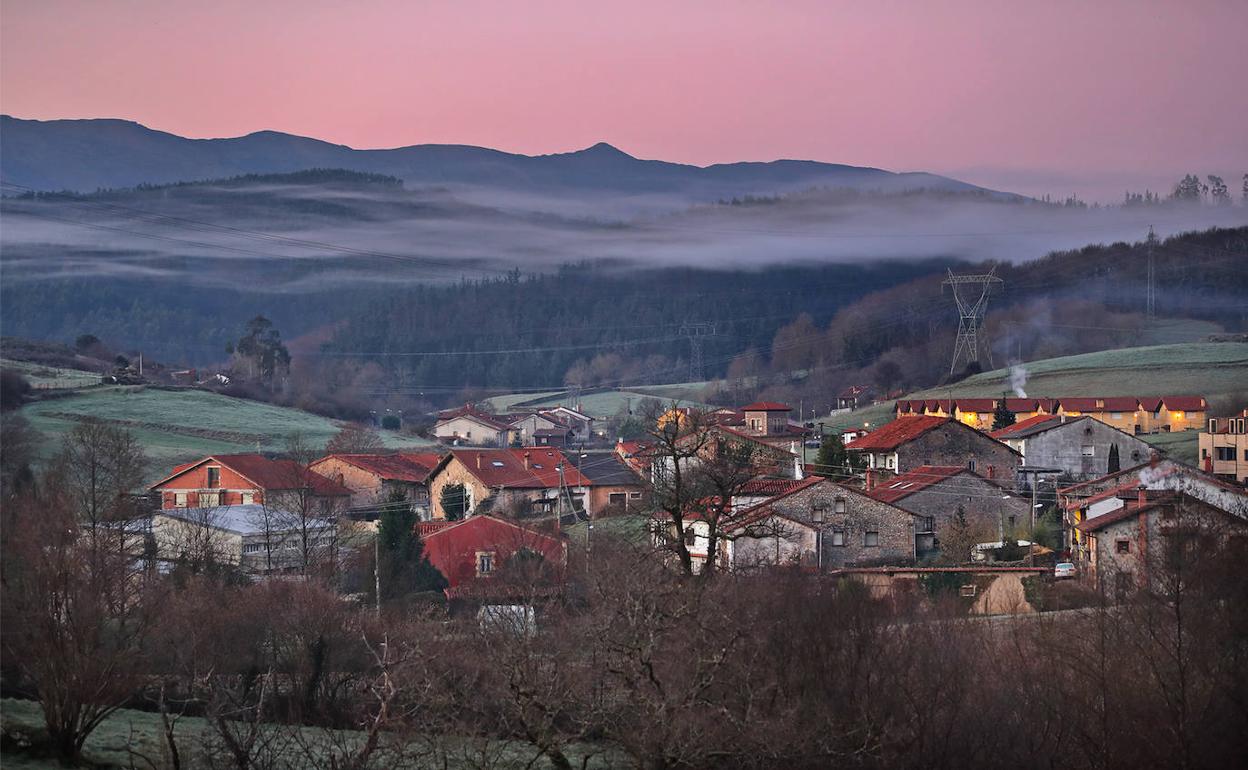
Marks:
<point>85,155</point>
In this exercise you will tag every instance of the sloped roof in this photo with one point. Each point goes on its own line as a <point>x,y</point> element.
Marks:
<point>761,510</point>
<point>918,479</point>
<point>1130,509</point>
<point>604,468</point>
<point>766,406</point>
<point>1184,403</point>
<point>770,487</point>
<point>403,466</point>
<point>267,474</point>
<point>471,412</point>
<point>250,519</point>
<point>1029,427</point>
<point>506,467</point>
<point>898,432</point>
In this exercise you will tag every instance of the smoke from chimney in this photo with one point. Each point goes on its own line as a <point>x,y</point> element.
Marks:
<point>1018,378</point>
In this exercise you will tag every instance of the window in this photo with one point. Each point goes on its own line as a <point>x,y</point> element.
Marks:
<point>1087,450</point>
<point>967,590</point>
<point>209,499</point>
<point>871,538</point>
<point>496,463</point>
<point>927,523</point>
<point>179,499</point>
<point>839,505</point>
<point>634,495</point>
<point>485,562</point>
<point>1115,415</point>
<point>838,537</point>
<point>970,464</point>
<point>1012,520</point>
<point>214,478</point>
<point>1122,546</point>
<point>249,498</point>
<point>1225,452</point>
<point>616,498</point>
<point>252,548</point>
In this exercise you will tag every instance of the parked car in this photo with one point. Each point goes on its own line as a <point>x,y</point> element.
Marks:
<point>1064,569</point>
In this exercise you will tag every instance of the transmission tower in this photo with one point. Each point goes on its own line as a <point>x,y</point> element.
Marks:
<point>697,332</point>
<point>1151,303</point>
<point>971,293</point>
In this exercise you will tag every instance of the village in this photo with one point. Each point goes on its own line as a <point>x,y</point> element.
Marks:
<point>996,490</point>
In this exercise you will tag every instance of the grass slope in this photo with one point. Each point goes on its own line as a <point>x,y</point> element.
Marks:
<point>1209,369</point>
<point>50,377</point>
<point>127,736</point>
<point>179,425</point>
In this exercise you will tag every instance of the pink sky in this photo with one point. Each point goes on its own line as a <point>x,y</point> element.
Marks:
<point>1058,96</point>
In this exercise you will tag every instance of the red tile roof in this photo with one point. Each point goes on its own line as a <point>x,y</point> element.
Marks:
<point>1030,422</point>
<point>977,404</point>
<point>766,406</point>
<point>404,466</point>
<point>268,474</point>
<point>897,432</point>
<point>908,483</point>
<point>769,487</point>
<point>1184,403</point>
<point>506,467</point>
<point>763,509</point>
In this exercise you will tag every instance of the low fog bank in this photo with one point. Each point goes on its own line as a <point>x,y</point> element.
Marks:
<point>303,238</point>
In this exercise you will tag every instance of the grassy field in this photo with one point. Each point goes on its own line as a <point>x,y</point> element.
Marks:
<point>179,425</point>
<point>127,736</point>
<point>1209,369</point>
<point>50,377</point>
<point>1184,446</point>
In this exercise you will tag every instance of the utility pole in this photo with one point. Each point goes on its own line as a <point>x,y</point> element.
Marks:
<point>696,331</point>
<point>970,314</point>
<point>1151,303</point>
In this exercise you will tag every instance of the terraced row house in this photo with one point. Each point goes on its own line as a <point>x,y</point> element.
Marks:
<point>1130,414</point>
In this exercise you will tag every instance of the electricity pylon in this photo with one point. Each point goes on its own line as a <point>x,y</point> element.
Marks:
<point>696,331</point>
<point>971,313</point>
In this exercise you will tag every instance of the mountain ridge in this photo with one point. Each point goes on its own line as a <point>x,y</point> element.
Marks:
<point>86,154</point>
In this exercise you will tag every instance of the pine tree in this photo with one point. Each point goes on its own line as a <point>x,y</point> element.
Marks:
<point>404,567</point>
<point>1115,464</point>
<point>1002,417</point>
<point>833,460</point>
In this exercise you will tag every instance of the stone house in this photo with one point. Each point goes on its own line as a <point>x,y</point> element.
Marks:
<point>1152,532</point>
<point>374,479</point>
<point>1079,446</point>
<point>935,493</point>
<point>530,481</point>
<point>823,525</point>
<point>911,442</point>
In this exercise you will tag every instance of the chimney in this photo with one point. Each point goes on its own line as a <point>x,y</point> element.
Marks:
<point>1141,497</point>
<point>870,479</point>
<point>526,461</point>
<point>478,461</point>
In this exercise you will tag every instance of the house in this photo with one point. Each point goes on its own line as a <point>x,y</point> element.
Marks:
<point>614,486</point>
<point>768,421</point>
<point>1091,499</point>
<point>1130,414</point>
<point>935,494</point>
<point>1224,448</point>
<point>258,539</point>
<point>250,479</point>
<point>484,549</point>
<point>1082,447</point>
<point>582,424</point>
<point>908,443</point>
<point>853,397</point>
<point>469,426</point>
<point>766,458</point>
<point>1152,533</point>
<point>821,524</point>
<point>636,454</point>
<point>529,481</point>
<point>376,479</point>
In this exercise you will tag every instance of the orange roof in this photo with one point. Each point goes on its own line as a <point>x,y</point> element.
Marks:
<point>404,466</point>
<point>267,474</point>
<point>1030,422</point>
<point>897,432</point>
<point>766,406</point>
<point>506,467</point>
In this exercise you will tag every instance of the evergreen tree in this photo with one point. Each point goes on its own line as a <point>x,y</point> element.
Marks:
<point>1002,417</point>
<point>454,501</point>
<point>833,460</point>
<point>403,565</point>
<point>1115,464</point>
